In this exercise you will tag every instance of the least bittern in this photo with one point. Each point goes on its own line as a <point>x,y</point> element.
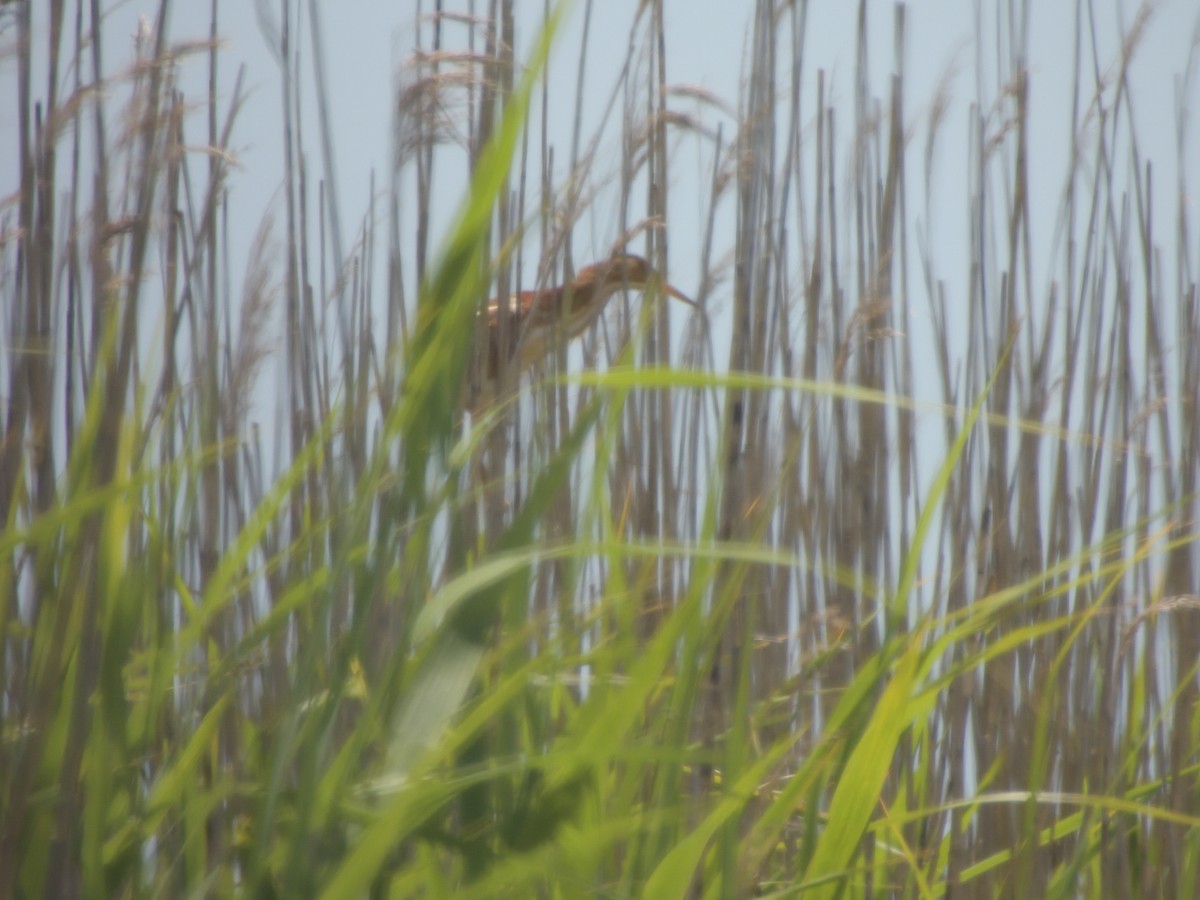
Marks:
<point>540,321</point>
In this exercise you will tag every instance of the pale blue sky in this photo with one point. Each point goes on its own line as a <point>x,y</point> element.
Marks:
<point>366,42</point>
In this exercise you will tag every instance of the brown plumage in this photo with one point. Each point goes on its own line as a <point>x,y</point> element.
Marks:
<point>539,321</point>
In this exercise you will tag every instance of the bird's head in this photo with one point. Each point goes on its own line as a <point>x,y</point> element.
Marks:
<point>622,270</point>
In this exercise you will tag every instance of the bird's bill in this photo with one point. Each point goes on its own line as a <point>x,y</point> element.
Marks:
<point>679,295</point>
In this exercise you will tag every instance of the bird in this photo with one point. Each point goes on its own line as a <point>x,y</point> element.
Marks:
<point>539,321</point>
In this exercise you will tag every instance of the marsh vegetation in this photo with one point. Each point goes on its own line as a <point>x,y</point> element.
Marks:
<point>772,600</point>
